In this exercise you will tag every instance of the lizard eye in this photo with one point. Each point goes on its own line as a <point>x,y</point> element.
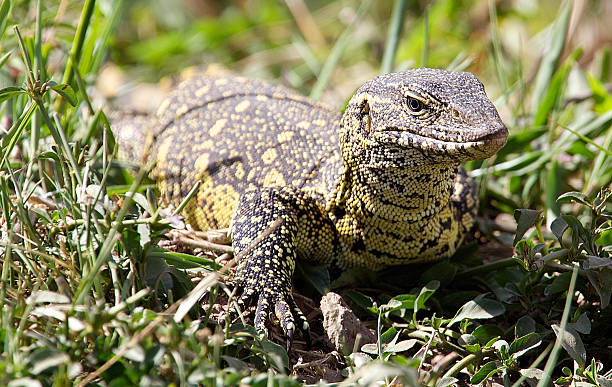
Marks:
<point>415,105</point>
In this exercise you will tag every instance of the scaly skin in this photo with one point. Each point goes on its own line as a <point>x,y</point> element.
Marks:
<point>381,185</point>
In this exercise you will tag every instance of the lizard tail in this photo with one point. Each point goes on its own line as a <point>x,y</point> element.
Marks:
<point>130,131</point>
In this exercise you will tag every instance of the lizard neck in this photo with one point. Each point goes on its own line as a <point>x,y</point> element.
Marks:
<point>395,213</point>
<point>404,195</point>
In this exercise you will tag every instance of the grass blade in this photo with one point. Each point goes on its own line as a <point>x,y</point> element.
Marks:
<point>393,35</point>
<point>599,169</point>
<point>498,59</point>
<point>553,190</point>
<point>9,92</point>
<point>5,10</point>
<point>109,242</point>
<point>79,39</point>
<point>553,53</point>
<point>425,56</point>
<point>336,53</point>
<point>589,141</point>
<point>554,91</point>
<point>14,134</point>
<point>102,42</point>
<point>39,67</point>
<point>552,360</point>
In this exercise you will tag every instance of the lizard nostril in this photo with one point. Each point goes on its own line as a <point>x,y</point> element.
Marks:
<point>456,115</point>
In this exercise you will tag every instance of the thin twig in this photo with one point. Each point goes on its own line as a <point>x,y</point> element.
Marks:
<point>305,22</point>
<point>206,245</point>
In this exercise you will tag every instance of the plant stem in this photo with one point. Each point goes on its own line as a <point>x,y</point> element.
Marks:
<point>26,57</point>
<point>79,39</point>
<point>552,360</point>
<point>469,359</point>
<point>393,35</point>
<point>535,363</point>
<point>489,267</point>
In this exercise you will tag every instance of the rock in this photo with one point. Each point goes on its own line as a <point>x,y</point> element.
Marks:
<point>342,326</point>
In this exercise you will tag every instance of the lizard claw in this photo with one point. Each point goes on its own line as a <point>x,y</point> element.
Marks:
<point>288,313</point>
<point>267,258</point>
<point>261,314</point>
<point>285,310</point>
<point>306,333</point>
<point>289,339</point>
<point>234,309</point>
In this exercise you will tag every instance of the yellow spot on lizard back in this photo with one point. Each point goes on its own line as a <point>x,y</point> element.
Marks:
<point>201,162</point>
<point>274,179</point>
<point>182,110</point>
<point>215,130</point>
<point>162,152</point>
<point>269,156</point>
<point>224,204</point>
<point>303,124</point>
<point>163,107</point>
<point>284,137</point>
<point>202,91</point>
<point>242,106</point>
<point>239,173</point>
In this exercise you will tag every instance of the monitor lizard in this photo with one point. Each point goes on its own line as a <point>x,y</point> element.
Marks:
<point>379,185</point>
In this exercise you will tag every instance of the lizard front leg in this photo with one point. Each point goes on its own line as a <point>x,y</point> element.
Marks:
<point>264,274</point>
<point>464,201</point>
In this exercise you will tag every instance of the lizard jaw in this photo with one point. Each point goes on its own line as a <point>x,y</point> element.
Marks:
<point>459,150</point>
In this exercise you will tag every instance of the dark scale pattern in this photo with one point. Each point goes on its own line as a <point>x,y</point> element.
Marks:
<point>379,186</point>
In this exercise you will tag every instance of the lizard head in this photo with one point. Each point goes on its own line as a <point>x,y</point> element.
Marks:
<point>421,116</point>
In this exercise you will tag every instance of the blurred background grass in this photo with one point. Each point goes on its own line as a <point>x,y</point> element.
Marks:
<point>286,41</point>
<point>290,40</point>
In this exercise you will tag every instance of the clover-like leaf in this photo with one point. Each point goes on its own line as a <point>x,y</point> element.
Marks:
<point>446,381</point>
<point>426,292</point>
<point>582,325</point>
<point>65,91</point>
<point>486,332</point>
<point>485,372</point>
<point>523,344</point>
<point>479,308</point>
<point>525,219</point>
<point>558,227</point>
<point>601,280</point>
<point>524,326</point>
<point>572,343</point>
<point>578,197</point>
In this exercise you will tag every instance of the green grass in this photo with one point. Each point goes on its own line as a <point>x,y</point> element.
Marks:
<point>89,296</point>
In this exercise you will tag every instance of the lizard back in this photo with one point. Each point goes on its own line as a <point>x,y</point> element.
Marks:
<point>233,133</point>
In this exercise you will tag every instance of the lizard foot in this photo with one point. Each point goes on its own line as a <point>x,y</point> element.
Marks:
<point>286,310</point>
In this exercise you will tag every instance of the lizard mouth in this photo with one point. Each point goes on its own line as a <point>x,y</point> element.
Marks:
<point>452,144</point>
<point>497,138</point>
<point>491,136</point>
